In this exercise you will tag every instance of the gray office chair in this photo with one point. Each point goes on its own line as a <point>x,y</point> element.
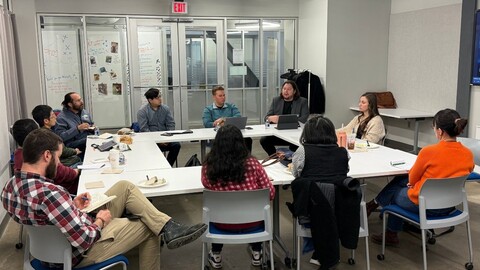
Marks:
<point>300,231</point>
<point>49,244</point>
<point>237,207</point>
<point>435,194</point>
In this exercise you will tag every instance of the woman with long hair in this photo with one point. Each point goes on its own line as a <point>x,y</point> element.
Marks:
<point>229,167</point>
<point>368,125</point>
<point>445,159</point>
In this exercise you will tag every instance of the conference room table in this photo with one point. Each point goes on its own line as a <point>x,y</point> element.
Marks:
<point>145,159</point>
<point>406,114</point>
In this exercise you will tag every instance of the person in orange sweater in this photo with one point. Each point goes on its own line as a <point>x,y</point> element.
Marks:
<point>447,158</point>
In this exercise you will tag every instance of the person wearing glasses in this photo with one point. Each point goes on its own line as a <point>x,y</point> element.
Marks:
<point>156,116</point>
<point>74,123</point>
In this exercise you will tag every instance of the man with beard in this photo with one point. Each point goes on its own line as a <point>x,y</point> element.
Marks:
<point>31,198</point>
<point>66,176</point>
<point>74,123</point>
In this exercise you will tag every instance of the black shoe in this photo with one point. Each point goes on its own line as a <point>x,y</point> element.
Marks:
<point>177,235</point>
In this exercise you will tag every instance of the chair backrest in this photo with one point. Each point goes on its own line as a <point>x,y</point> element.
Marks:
<point>473,145</point>
<point>48,244</point>
<point>437,193</point>
<point>236,207</point>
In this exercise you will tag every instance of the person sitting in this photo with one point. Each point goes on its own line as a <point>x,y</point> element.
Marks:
<point>156,116</point>
<point>368,125</point>
<point>214,115</point>
<point>319,160</point>
<point>31,198</point>
<point>46,118</point>
<point>229,167</point>
<point>74,123</point>
<point>65,177</point>
<point>448,158</point>
<point>288,102</point>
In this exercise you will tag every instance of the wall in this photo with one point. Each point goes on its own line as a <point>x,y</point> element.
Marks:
<point>26,11</point>
<point>356,53</point>
<point>422,62</point>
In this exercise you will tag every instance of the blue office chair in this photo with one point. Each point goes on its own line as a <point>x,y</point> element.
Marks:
<point>435,194</point>
<point>48,244</point>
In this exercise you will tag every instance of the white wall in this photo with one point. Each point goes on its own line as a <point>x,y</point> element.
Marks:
<point>357,46</point>
<point>422,62</point>
<point>400,6</point>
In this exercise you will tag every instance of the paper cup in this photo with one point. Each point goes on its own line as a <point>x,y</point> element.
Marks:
<point>114,158</point>
<point>351,141</point>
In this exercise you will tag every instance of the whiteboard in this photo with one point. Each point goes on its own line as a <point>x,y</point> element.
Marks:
<point>61,63</point>
<point>107,68</point>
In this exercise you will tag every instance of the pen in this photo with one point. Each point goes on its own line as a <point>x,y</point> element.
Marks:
<point>148,178</point>
<point>85,198</point>
<point>102,165</point>
<point>368,144</point>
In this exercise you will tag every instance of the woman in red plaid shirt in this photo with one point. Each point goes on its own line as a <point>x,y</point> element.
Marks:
<point>229,167</point>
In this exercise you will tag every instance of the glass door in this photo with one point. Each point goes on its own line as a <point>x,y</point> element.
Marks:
<point>182,59</point>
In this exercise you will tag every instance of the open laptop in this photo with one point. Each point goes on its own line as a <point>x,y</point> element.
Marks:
<point>239,122</point>
<point>287,121</point>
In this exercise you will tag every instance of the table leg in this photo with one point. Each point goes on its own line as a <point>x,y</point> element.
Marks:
<point>415,136</point>
<point>276,223</point>
<point>203,147</point>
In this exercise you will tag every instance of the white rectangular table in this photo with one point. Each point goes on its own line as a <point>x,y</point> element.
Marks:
<point>406,114</point>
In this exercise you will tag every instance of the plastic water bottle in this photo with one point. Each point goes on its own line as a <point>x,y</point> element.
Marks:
<point>267,124</point>
<point>97,131</point>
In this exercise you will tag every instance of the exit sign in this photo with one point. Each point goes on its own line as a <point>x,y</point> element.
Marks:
<point>179,8</point>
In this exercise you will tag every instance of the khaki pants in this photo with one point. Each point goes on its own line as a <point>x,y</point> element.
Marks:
<point>122,234</point>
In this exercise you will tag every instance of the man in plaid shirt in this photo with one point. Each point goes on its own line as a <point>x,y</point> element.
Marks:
<point>31,198</point>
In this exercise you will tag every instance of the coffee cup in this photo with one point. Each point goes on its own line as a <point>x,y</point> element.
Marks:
<point>351,141</point>
<point>122,147</point>
<point>114,158</point>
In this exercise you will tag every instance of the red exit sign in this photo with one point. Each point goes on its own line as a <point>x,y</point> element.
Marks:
<point>179,8</point>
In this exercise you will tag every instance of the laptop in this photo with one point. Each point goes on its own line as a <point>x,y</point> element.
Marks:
<point>239,122</point>
<point>287,121</point>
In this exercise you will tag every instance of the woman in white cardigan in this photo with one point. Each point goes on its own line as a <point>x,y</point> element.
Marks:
<point>368,125</point>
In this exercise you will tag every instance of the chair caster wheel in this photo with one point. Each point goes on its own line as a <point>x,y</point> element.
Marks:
<point>432,241</point>
<point>351,261</point>
<point>380,257</point>
<point>469,266</point>
<point>18,245</point>
<point>288,262</point>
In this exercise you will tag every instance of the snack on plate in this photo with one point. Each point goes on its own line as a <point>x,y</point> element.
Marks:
<point>124,131</point>
<point>126,139</point>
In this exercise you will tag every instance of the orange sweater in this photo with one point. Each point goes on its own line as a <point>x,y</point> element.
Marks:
<point>441,160</point>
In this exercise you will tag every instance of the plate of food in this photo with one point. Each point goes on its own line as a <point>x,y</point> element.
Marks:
<point>152,182</point>
<point>289,168</point>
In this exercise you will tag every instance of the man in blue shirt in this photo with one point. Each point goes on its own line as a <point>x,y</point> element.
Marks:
<point>74,123</point>
<point>214,115</point>
<point>157,117</point>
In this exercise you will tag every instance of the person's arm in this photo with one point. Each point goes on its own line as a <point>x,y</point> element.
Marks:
<point>375,130</point>
<point>235,112</point>
<point>142,120</point>
<point>349,128</point>
<point>67,131</point>
<point>419,167</point>
<point>169,121</point>
<point>207,117</point>
<point>262,178</point>
<point>304,113</point>
<point>65,175</point>
<point>79,228</point>
<point>271,110</point>
<point>68,152</point>
<point>298,161</point>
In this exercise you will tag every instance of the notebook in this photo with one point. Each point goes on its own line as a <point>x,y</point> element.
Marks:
<point>239,122</point>
<point>287,121</point>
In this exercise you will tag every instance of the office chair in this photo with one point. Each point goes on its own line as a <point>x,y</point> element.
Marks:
<point>301,231</point>
<point>435,194</point>
<point>49,244</point>
<point>473,145</point>
<point>237,207</point>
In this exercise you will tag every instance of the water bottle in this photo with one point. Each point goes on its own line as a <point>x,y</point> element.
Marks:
<point>267,124</point>
<point>97,131</point>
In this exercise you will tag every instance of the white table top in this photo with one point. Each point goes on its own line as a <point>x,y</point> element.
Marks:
<point>401,113</point>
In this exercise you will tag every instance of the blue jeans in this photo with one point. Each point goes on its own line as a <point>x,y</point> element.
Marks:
<point>396,192</point>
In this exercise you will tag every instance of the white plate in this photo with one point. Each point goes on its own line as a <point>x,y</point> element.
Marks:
<point>160,183</point>
<point>287,171</point>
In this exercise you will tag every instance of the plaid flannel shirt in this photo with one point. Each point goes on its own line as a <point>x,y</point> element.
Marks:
<point>32,199</point>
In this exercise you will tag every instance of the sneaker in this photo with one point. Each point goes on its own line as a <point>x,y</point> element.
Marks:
<point>177,235</point>
<point>215,259</point>
<point>256,257</point>
<point>314,261</point>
